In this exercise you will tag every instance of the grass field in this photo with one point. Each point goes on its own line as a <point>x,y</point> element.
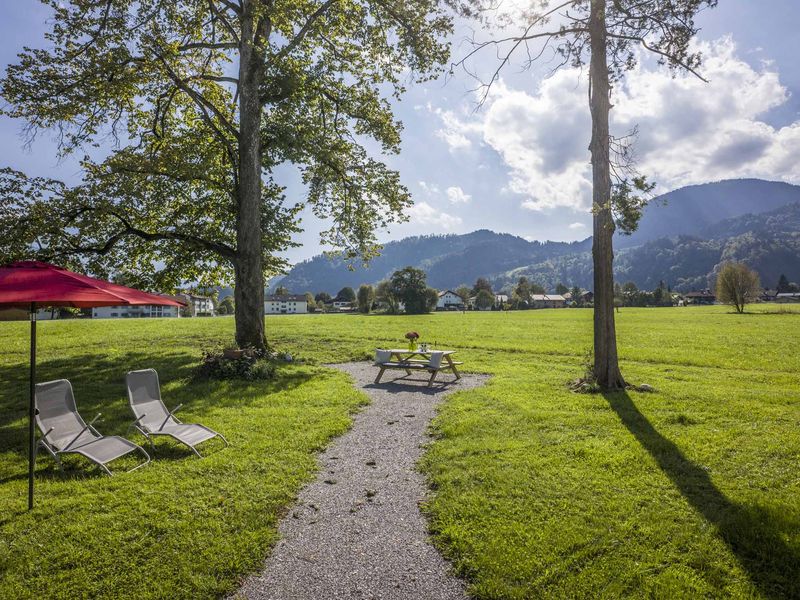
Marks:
<point>691,491</point>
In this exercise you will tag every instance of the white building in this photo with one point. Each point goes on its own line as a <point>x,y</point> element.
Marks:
<point>788,297</point>
<point>285,305</point>
<point>449,300</point>
<point>135,312</point>
<point>342,305</point>
<point>198,306</point>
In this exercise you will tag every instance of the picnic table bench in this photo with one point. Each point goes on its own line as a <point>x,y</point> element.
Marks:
<point>431,361</point>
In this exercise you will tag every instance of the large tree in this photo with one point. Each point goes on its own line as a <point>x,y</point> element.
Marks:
<point>204,99</point>
<point>608,34</point>
<point>366,296</point>
<point>737,285</point>
<point>346,294</point>
<point>409,287</point>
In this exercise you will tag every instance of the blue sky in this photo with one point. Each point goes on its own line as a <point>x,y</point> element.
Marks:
<point>519,164</point>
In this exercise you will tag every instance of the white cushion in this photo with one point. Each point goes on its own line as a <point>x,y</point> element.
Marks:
<point>436,360</point>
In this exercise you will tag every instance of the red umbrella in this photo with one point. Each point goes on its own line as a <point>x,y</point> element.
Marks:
<point>33,284</point>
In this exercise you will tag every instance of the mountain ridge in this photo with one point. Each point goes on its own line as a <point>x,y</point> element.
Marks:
<point>695,240</point>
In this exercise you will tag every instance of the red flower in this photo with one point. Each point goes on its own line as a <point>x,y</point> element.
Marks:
<point>412,335</point>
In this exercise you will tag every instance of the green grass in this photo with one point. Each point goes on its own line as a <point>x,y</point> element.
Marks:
<point>691,491</point>
<point>180,527</point>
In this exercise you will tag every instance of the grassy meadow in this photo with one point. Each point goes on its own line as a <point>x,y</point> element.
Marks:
<point>691,491</point>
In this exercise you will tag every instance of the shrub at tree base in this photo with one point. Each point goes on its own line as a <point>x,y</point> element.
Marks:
<point>250,364</point>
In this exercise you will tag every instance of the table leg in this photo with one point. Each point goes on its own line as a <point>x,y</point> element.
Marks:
<point>453,366</point>
<point>380,374</point>
<point>433,376</point>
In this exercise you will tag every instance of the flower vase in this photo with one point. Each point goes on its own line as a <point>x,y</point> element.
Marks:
<point>412,346</point>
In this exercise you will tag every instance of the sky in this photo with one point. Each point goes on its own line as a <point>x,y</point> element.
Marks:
<point>518,163</point>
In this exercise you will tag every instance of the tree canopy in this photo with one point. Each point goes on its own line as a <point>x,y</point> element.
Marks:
<point>366,296</point>
<point>409,287</point>
<point>346,294</point>
<point>482,284</point>
<point>737,285</point>
<point>484,299</point>
<point>202,101</point>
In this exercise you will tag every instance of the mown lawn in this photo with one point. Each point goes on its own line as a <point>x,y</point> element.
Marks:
<point>180,527</point>
<point>688,492</point>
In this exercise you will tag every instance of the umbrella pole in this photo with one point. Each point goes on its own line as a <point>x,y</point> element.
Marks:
<point>32,409</point>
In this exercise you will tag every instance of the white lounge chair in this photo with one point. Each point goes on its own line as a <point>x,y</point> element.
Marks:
<point>65,432</point>
<point>153,418</point>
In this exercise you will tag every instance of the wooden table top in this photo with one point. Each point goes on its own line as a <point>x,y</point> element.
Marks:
<point>429,351</point>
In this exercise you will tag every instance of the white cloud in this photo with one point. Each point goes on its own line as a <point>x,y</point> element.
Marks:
<point>430,188</point>
<point>454,140</point>
<point>577,226</point>
<point>455,131</point>
<point>423,213</point>
<point>689,131</point>
<point>457,196</point>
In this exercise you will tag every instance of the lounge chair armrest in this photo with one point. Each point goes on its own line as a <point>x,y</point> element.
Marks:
<point>80,433</point>
<point>135,424</point>
<point>171,414</point>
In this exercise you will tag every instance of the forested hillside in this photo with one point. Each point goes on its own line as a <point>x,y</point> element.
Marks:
<point>683,237</point>
<point>769,243</point>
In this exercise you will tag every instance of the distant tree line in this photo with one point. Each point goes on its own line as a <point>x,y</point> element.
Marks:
<point>628,294</point>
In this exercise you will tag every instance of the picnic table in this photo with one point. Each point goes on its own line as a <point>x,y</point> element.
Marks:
<point>418,360</point>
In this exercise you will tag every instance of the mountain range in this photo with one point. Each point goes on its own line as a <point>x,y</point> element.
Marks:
<point>682,239</point>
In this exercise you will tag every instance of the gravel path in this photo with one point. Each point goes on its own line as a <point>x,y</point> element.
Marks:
<point>357,532</point>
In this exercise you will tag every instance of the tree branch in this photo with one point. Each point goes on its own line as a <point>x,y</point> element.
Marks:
<point>297,40</point>
<point>666,55</point>
<point>130,231</point>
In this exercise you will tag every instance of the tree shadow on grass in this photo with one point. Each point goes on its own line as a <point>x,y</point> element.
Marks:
<point>751,533</point>
<point>98,383</point>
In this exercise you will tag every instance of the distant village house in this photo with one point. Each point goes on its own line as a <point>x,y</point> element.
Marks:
<point>143,311</point>
<point>286,305</point>
<point>788,297</point>
<point>702,297</point>
<point>343,305</point>
<point>197,306</point>
<point>449,300</point>
<point>548,301</point>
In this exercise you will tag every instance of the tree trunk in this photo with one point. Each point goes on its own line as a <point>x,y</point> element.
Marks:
<point>249,267</point>
<point>606,364</point>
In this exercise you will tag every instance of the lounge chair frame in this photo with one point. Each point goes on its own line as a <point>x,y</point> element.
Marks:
<point>150,432</point>
<point>74,446</point>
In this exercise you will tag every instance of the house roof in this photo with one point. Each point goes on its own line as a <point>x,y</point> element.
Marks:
<point>188,296</point>
<point>177,298</point>
<point>548,298</point>
<point>443,292</point>
<point>789,295</point>
<point>703,294</point>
